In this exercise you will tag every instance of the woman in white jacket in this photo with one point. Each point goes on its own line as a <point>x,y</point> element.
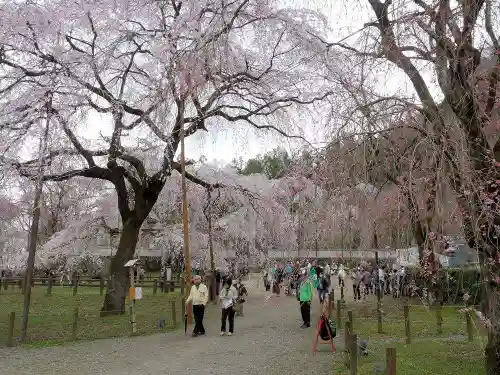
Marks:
<point>227,296</point>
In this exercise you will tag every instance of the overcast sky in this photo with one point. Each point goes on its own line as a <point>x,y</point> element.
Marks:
<point>229,142</point>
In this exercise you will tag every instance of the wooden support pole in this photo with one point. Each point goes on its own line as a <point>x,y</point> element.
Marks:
<point>49,285</point>
<point>339,313</point>
<point>10,332</point>
<point>349,317</point>
<point>74,328</point>
<point>183,307</point>
<point>379,317</point>
<point>347,334</point>
<point>390,361</point>
<point>406,310</point>
<point>155,287</point>
<point>75,284</point>
<point>174,314</point>
<point>439,318</point>
<point>101,285</point>
<point>468,321</point>
<point>353,351</point>
<point>5,283</point>
<point>330,305</point>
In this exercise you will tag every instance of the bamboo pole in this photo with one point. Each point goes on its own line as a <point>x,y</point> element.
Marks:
<point>185,221</point>
<point>212,286</point>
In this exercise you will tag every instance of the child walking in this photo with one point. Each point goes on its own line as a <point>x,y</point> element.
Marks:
<point>228,296</point>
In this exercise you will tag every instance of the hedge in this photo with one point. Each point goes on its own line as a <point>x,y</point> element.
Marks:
<point>454,282</point>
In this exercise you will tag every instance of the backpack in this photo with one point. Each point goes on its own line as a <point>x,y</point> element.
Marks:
<point>328,329</point>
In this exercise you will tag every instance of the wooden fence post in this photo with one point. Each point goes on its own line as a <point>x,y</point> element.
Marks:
<point>339,313</point>
<point>174,314</point>
<point>468,322</point>
<point>183,307</point>
<point>330,305</point>
<point>379,317</point>
<point>406,310</point>
<point>353,349</point>
<point>182,286</point>
<point>439,318</point>
<point>164,288</point>
<point>155,286</point>
<point>390,361</point>
<point>349,317</point>
<point>5,283</point>
<point>101,285</point>
<point>49,286</point>
<point>75,284</point>
<point>347,334</point>
<point>10,332</point>
<point>1,282</point>
<point>74,328</point>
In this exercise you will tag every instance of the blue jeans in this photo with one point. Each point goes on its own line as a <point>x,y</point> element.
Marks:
<point>322,293</point>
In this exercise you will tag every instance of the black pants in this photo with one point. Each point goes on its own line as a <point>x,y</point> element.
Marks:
<point>341,282</point>
<point>227,314</point>
<point>198,313</point>
<point>305,311</point>
<point>357,291</point>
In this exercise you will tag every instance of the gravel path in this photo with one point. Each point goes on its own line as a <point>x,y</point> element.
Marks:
<point>267,341</point>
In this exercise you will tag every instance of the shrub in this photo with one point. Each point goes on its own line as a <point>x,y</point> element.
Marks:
<point>454,284</point>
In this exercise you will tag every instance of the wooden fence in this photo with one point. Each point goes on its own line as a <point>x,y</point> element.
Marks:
<point>166,286</point>
<point>176,312</point>
<point>351,350</point>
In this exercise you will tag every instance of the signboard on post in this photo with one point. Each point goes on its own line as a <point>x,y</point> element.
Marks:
<point>138,293</point>
<point>135,293</point>
<point>132,292</point>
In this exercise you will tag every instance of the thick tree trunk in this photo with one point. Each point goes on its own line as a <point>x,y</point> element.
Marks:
<point>493,353</point>
<point>490,304</point>
<point>114,301</point>
<point>490,307</point>
<point>492,350</point>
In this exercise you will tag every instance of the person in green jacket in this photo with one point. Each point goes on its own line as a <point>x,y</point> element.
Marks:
<point>305,296</point>
<point>314,278</point>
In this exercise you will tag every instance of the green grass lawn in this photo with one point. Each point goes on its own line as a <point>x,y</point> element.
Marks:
<point>448,353</point>
<point>51,317</point>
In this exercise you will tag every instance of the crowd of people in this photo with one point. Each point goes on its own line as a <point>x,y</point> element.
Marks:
<point>303,279</point>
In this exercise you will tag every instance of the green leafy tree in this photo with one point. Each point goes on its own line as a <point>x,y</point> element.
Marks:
<point>273,164</point>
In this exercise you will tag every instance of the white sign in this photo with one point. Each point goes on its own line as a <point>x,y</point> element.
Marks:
<point>138,293</point>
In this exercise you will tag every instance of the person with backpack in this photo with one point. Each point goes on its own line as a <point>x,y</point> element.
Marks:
<point>322,287</point>
<point>228,296</point>
<point>305,296</point>
<point>242,292</point>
